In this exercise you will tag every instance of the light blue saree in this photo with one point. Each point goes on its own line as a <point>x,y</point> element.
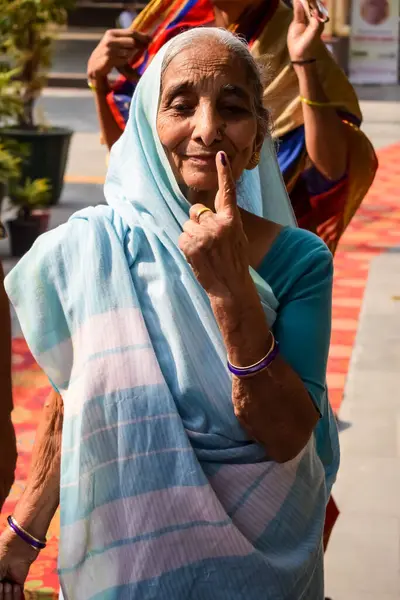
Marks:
<point>163,495</point>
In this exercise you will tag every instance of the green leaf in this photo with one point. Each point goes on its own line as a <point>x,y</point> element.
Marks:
<point>28,42</point>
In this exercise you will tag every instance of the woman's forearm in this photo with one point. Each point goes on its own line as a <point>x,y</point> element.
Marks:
<point>273,406</point>
<point>8,450</point>
<point>5,352</point>
<point>40,498</point>
<point>110,130</point>
<point>325,134</point>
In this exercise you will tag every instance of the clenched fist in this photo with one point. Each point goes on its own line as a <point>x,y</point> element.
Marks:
<point>117,48</point>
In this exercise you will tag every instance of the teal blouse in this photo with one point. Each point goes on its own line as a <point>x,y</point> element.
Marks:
<point>299,269</point>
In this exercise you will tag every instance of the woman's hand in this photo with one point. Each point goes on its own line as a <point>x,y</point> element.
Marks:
<point>304,33</point>
<point>16,557</point>
<point>215,244</point>
<point>116,48</point>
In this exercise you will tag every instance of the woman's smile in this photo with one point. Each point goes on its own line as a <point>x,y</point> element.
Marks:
<point>205,160</point>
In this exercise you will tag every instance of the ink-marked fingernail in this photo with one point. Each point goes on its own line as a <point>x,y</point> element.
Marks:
<point>223,158</point>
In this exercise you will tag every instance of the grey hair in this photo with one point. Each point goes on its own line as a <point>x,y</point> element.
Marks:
<point>238,48</point>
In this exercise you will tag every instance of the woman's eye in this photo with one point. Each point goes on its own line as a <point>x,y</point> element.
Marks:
<point>181,107</point>
<point>234,109</point>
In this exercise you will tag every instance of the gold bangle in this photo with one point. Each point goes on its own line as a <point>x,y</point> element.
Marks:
<point>319,104</point>
<point>91,85</point>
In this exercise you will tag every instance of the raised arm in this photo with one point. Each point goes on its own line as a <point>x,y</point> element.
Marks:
<point>325,134</point>
<point>38,502</point>
<point>274,405</point>
<point>116,48</point>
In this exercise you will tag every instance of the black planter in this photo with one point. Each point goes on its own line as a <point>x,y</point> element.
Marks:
<point>48,155</point>
<point>23,233</point>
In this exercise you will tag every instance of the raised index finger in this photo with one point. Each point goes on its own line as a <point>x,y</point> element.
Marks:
<point>225,200</point>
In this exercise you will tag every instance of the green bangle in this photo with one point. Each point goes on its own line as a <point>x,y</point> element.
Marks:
<point>92,86</point>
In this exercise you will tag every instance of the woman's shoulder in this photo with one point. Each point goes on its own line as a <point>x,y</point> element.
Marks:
<point>292,239</point>
<point>295,255</point>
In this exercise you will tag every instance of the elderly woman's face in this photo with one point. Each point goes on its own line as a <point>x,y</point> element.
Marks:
<point>206,106</point>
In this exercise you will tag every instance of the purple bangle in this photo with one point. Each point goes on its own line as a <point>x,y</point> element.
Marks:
<point>24,535</point>
<point>254,369</point>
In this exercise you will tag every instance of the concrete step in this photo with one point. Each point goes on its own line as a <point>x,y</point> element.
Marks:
<point>96,13</point>
<point>67,80</point>
<point>72,49</point>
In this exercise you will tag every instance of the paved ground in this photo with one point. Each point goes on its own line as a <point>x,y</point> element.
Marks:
<point>364,557</point>
<point>363,560</point>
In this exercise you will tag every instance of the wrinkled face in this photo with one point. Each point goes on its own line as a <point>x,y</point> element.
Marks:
<point>206,106</point>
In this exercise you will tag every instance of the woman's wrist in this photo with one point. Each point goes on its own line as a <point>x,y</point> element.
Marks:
<point>36,508</point>
<point>31,520</point>
<point>243,325</point>
<point>309,84</point>
<point>99,83</point>
<point>305,70</point>
<point>10,539</point>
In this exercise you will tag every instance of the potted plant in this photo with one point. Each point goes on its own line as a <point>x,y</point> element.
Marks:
<point>31,200</point>
<point>10,108</point>
<point>9,169</point>
<point>26,38</point>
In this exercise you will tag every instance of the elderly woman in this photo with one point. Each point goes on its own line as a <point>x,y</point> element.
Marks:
<point>188,339</point>
<point>327,163</point>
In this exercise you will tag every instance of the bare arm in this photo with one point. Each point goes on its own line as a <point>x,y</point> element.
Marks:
<point>8,452</point>
<point>110,130</point>
<point>326,140</point>
<point>5,349</point>
<point>274,406</point>
<point>117,48</point>
<point>39,500</point>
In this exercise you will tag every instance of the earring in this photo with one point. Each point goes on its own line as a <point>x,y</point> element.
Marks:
<point>253,162</point>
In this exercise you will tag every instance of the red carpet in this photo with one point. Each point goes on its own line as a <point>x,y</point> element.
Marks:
<point>375,229</point>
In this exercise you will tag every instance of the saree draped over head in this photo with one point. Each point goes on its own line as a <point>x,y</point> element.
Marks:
<point>163,495</point>
<point>320,205</point>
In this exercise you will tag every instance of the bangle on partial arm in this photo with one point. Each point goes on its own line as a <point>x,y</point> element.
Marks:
<point>320,104</point>
<point>25,535</point>
<point>98,85</point>
<point>258,367</point>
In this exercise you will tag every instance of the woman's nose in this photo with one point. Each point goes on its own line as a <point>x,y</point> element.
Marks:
<point>208,125</point>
